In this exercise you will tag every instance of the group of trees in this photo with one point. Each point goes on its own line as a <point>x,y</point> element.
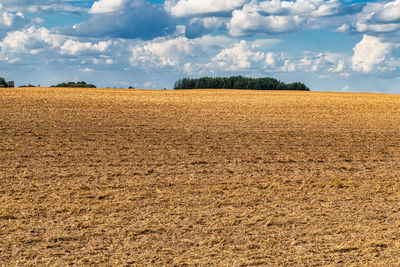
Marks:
<point>233,82</point>
<point>75,85</point>
<point>4,83</point>
<point>238,82</point>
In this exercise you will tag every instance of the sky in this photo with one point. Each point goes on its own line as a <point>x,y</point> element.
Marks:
<point>334,45</point>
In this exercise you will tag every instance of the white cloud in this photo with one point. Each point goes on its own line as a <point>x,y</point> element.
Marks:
<point>182,54</point>
<point>107,6</point>
<point>71,47</point>
<point>276,16</point>
<point>341,65</point>
<point>327,8</point>
<point>249,21</point>
<point>288,66</point>
<point>390,12</point>
<point>237,57</point>
<point>323,62</point>
<point>87,70</point>
<point>200,26</point>
<point>208,53</point>
<point>11,20</point>
<point>280,16</point>
<point>343,28</point>
<point>378,28</point>
<point>379,17</point>
<point>186,8</point>
<point>163,53</point>
<point>317,8</point>
<point>7,19</point>
<point>242,56</point>
<point>127,19</point>
<point>218,54</point>
<point>35,45</point>
<point>345,89</point>
<point>369,52</point>
<point>41,6</point>
<point>30,40</point>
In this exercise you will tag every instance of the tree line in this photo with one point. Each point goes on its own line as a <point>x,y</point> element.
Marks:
<point>75,85</point>
<point>82,84</point>
<point>233,82</point>
<point>238,82</point>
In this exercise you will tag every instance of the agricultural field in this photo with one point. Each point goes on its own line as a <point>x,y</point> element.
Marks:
<point>203,177</point>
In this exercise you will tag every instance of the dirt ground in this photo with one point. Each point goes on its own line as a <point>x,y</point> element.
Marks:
<point>224,178</point>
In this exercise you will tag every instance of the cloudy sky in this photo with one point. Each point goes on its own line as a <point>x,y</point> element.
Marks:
<point>330,45</point>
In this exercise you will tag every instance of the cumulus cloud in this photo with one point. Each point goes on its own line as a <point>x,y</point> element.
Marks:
<point>378,17</point>
<point>71,47</point>
<point>376,27</point>
<point>44,6</point>
<point>199,26</point>
<point>249,21</point>
<point>30,40</point>
<point>322,62</point>
<point>11,20</point>
<point>343,28</point>
<point>249,18</point>
<point>309,7</point>
<point>219,54</point>
<point>186,8</point>
<point>107,6</point>
<point>181,54</point>
<point>30,45</point>
<point>369,52</point>
<point>275,16</point>
<point>134,19</point>
<point>206,54</point>
<point>162,53</point>
<point>38,45</point>
<point>245,55</point>
<point>389,13</point>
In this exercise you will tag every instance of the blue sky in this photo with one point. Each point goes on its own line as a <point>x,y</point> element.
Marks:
<point>332,45</point>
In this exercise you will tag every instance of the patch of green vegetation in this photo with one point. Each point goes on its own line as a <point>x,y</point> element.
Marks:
<point>238,82</point>
<point>75,84</point>
<point>4,83</point>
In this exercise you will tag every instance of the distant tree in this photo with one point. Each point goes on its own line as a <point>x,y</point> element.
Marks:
<point>29,85</point>
<point>238,82</point>
<point>75,85</point>
<point>4,83</point>
<point>10,84</point>
<point>297,86</point>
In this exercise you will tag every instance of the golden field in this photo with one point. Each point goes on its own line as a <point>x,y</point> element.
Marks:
<point>204,177</point>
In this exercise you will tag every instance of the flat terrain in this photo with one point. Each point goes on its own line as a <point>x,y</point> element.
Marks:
<point>224,178</point>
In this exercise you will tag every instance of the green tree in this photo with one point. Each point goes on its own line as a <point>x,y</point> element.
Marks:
<point>10,84</point>
<point>4,83</point>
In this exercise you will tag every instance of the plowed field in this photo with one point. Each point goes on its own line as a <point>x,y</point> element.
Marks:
<point>213,177</point>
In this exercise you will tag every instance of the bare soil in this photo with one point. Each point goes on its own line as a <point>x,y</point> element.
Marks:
<point>204,177</point>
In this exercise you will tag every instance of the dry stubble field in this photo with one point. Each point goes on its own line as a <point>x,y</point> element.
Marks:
<point>227,178</point>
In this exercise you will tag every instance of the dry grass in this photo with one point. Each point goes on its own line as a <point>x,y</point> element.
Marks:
<point>231,178</point>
